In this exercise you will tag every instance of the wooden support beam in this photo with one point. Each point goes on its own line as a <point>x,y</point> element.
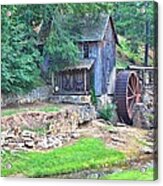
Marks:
<point>85,80</point>
<point>53,79</point>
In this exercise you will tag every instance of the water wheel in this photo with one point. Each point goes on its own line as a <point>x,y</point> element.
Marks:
<point>127,93</point>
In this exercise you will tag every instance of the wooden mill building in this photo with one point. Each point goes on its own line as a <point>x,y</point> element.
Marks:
<point>97,60</point>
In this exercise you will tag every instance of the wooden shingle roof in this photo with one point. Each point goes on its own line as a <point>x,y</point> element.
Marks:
<point>93,28</point>
<point>83,64</point>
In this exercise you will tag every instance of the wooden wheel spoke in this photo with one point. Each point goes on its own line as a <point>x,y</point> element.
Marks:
<point>133,82</point>
<point>131,97</point>
<point>131,89</point>
<point>132,104</point>
<point>137,87</point>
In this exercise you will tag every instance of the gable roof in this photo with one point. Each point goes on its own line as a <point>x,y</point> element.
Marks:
<point>93,28</point>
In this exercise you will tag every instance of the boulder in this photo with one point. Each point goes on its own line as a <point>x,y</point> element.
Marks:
<point>28,134</point>
<point>147,150</point>
<point>29,144</point>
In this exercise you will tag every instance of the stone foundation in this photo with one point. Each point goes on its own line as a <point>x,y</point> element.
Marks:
<point>38,94</point>
<point>71,99</point>
<point>104,100</point>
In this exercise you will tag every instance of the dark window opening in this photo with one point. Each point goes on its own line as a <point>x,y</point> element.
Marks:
<point>86,50</point>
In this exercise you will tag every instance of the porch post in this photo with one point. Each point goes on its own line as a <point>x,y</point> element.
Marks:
<point>85,81</point>
<point>53,79</point>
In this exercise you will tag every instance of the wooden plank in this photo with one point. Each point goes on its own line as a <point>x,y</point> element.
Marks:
<point>98,72</point>
<point>85,80</point>
<point>53,79</point>
<point>72,93</point>
<point>141,68</point>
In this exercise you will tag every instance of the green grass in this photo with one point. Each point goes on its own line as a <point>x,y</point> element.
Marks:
<point>9,112</point>
<point>44,108</point>
<point>88,153</point>
<point>50,108</point>
<point>132,175</point>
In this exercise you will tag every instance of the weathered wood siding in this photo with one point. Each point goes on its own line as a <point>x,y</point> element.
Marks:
<point>72,82</point>
<point>95,53</point>
<point>109,61</point>
<point>98,71</point>
<point>104,53</point>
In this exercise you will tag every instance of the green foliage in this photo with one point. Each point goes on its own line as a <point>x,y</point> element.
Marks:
<point>107,112</point>
<point>131,20</point>
<point>133,15</point>
<point>19,52</point>
<point>93,97</point>
<point>85,154</point>
<point>65,51</point>
<point>121,63</point>
<point>132,175</point>
<point>125,55</point>
<point>44,108</point>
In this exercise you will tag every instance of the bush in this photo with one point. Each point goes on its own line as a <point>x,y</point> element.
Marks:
<point>108,111</point>
<point>93,97</point>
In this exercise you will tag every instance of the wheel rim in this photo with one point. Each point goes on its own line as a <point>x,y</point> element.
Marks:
<point>127,92</point>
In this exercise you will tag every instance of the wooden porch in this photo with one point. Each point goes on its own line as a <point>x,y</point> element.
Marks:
<point>74,80</point>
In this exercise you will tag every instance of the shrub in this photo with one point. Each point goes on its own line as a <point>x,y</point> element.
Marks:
<point>108,111</point>
<point>93,97</point>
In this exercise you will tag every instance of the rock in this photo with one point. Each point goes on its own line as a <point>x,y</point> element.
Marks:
<point>147,150</point>
<point>75,135</point>
<point>28,134</point>
<point>116,139</point>
<point>42,143</point>
<point>2,141</point>
<point>118,124</point>
<point>29,144</point>
<point>6,148</point>
<point>10,136</point>
<point>47,143</point>
<point>58,142</point>
<point>3,134</point>
<point>12,144</point>
<point>112,130</point>
<point>142,116</point>
<point>99,123</point>
<point>20,145</point>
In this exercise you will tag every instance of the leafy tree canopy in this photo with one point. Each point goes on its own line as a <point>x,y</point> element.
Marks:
<point>19,53</point>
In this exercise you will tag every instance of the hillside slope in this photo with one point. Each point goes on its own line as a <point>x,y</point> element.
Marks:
<point>126,57</point>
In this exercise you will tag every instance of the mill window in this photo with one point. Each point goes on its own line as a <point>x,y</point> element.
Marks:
<point>86,50</point>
